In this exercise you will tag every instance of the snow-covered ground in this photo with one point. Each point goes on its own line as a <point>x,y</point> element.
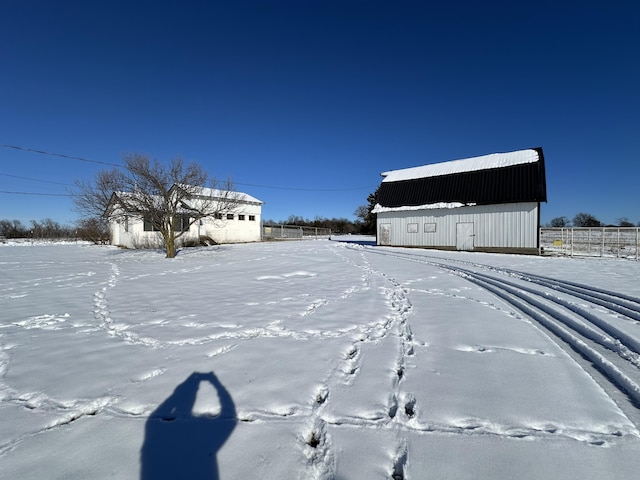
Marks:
<point>316,359</point>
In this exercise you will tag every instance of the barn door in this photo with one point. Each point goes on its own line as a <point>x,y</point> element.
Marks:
<point>385,234</point>
<point>464,236</point>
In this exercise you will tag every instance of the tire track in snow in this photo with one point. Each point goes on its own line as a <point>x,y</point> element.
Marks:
<point>608,349</point>
<point>404,405</point>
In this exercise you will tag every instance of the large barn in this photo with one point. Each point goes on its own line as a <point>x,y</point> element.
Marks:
<point>489,203</point>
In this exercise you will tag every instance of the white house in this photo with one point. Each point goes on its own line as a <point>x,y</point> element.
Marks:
<point>489,203</point>
<point>239,224</point>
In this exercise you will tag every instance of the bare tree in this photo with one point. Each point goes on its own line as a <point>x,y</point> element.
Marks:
<point>560,222</point>
<point>12,229</point>
<point>168,198</point>
<point>92,198</point>
<point>94,229</point>
<point>624,222</point>
<point>365,213</point>
<point>586,220</point>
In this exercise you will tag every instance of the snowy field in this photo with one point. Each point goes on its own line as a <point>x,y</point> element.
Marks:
<point>316,360</point>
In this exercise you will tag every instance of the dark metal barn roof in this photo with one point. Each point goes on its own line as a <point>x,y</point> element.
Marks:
<point>524,182</point>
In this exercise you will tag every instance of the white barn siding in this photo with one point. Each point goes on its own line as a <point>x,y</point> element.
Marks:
<point>495,227</point>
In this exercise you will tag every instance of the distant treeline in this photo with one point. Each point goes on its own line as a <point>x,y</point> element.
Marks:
<point>92,229</point>
<point>337,225</point>
<point>588,220</point>
<point>46,228</point>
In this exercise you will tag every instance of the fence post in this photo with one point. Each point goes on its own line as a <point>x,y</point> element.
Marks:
<point>572,243</point>
<point>602,247</point>
<point>539,241</point>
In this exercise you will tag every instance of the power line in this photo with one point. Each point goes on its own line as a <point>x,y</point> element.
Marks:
<point>36,180</point>
<point>305,189</point>
<point>71,157</point>
<point>38,193</point>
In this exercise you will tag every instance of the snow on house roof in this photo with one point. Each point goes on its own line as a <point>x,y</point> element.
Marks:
<point>222,194</point>
<point>484,162</point>
<point>226,194</point>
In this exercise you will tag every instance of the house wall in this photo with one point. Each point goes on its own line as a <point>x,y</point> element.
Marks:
<point>505,227</point>
<point>130,232</point>
<point>236,230</point>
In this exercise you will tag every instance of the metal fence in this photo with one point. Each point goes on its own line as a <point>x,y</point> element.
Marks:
<point>293,232</point>
<point>618,242</point>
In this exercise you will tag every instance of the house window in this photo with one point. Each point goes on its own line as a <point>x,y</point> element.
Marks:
<point>148,224</point>
<point>181,223</point>
<point>252,218</point>
<point>412,228</point>
<point>126,224</point>
<point>240,217</point>
<point>217,216</point>
<point>229,216</point>
<point>429,228</point>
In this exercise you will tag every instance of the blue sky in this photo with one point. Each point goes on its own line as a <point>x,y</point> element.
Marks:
<point>304,103</point>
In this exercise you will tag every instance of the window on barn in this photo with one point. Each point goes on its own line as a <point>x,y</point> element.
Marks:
<point>412,228</point>
<point>252,218</point>
<point>240,217</point>
<point>429,228</point>
<point>229,216</point>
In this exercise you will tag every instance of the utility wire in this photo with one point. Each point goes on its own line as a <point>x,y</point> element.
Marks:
<point>305,189</point>
<point>41,194</point>
<point>71,157</point>
<point>36,180</point>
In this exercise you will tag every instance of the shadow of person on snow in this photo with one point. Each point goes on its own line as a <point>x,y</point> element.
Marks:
<point>181,444</point>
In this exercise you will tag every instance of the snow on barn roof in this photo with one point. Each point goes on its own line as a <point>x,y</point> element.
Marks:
<point>490,179</point>
<point>484,162</point>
